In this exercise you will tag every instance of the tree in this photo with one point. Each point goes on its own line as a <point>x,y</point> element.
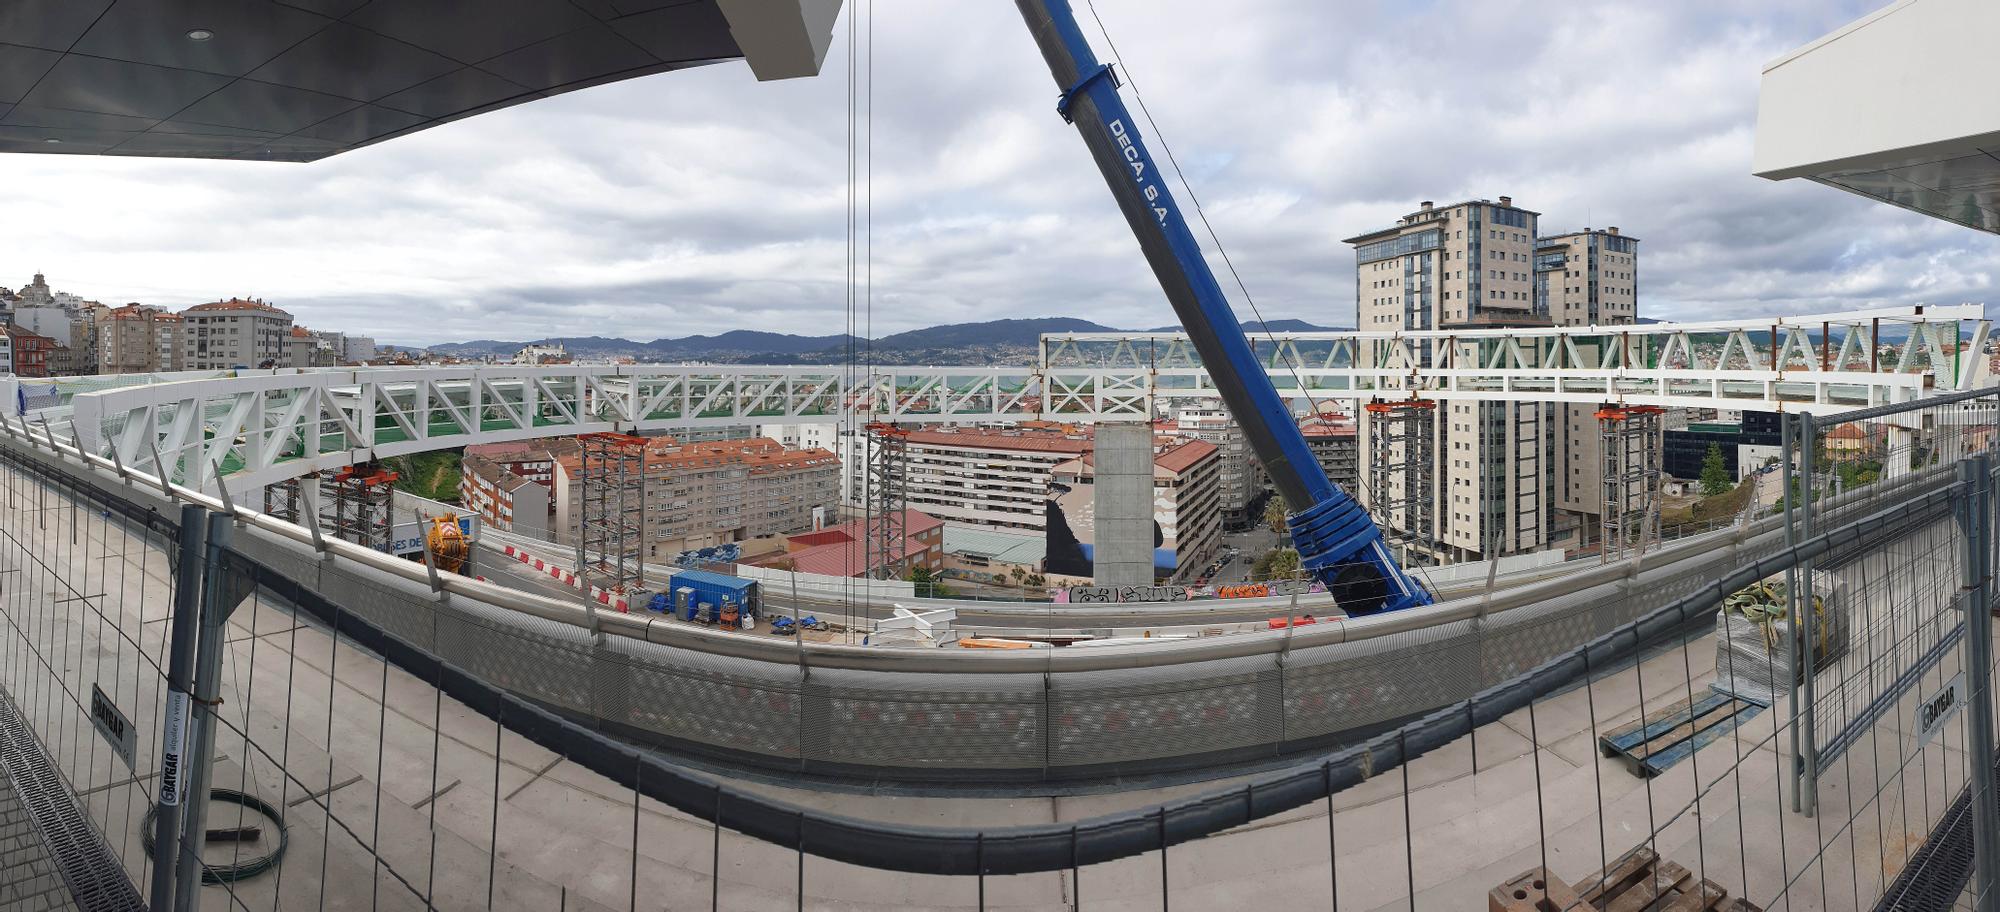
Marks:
<point>1274,515</point>
<point>1714,475</point>
<point>1277,563</point>
<point>929,583</point>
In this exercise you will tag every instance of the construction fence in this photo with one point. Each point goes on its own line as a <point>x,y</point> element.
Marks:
<point>383,744</point>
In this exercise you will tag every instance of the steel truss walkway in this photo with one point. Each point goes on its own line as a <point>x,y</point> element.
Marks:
<point>259,427</point>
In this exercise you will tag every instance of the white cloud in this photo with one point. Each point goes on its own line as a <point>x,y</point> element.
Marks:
<point>703,201</point>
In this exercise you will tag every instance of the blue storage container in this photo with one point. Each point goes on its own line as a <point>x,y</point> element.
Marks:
<point>715,587</point>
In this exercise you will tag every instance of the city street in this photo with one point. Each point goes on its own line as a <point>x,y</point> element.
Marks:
<point>1249,546</point>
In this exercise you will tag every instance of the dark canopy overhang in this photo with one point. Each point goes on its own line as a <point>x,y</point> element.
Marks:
<point>300,80</point>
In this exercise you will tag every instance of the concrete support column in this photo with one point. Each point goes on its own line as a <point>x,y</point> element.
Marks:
<point>1896,463</point>
<point>1123,487</point>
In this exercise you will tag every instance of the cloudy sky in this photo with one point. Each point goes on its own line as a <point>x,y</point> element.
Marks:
<point>702,201</point>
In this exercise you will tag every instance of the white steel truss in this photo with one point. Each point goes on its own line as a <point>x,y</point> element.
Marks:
<point>258,427</point>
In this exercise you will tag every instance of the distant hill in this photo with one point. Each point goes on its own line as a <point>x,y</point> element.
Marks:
<point>1018,332</point>
<point>747,340</point>
<point>989,342</point>
<point>1276,326</point>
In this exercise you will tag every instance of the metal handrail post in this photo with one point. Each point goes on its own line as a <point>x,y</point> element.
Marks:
<point>173,735</point>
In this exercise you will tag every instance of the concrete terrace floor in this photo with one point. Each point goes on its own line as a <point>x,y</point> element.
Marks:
<point>465,816</point>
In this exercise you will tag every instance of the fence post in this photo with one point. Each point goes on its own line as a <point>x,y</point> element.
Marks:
<point>215,611</point>
<point>173,735</point>
<point>1805,628</point>
<point>1788,494</point>
<point>1975,515</point>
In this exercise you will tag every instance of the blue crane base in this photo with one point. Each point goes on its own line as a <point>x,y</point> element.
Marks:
<point>1339,545</point>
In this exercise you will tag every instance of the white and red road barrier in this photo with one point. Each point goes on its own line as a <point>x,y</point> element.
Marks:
<point>567,577</point>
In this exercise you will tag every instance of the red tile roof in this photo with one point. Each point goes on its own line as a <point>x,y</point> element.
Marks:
<point>1033,440</point>
<point>236,304</point>
<point>1184,456</point>
<point>1327,424</point>
<point>841,550</point>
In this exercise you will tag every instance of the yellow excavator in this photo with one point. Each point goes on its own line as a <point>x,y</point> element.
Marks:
<point>447,541</point>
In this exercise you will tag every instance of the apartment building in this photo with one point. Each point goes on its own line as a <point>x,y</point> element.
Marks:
<point>1465,265</point>
<point>834,438</point>
<point>299,349</point>
<point>1335,440</point>
<point>169,340</point>
<point>1187,502</point>
<point>357,350</point>
<point>705,493</point>
<point>503,499</point>
<point>126,342</point>
<point>996,477</point>
<point>1584,278</point>
<point>235,333</point>
<point>1241,475</point>
<point>31,351</point>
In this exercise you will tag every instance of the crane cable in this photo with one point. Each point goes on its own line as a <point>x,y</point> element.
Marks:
<point>853,420</point>
<point>1263,326</point>
<point>860,288</point>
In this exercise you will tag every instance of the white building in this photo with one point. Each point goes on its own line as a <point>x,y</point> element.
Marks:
<point>234,333</point>
<point>542,353</point>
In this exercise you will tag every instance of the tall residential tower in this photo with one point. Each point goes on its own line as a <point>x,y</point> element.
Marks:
<point>1508,476</point>
<point>1584,278</point>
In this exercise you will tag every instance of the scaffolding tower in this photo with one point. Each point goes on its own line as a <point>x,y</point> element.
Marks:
<point>1402,472</point>
<point>1630,517</point>
<point>286,499</point>
<point>356,503</point>
<point>610,544</point>
<point>889,499</point>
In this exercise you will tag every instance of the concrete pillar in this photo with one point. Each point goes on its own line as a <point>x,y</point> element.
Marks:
<point>1896,462</point>
<point>1123,483</point>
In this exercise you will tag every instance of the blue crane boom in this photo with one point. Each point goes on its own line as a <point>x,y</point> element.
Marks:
<point>1337,541</point>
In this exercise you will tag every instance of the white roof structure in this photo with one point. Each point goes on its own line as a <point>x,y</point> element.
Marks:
<point>1896,107</point>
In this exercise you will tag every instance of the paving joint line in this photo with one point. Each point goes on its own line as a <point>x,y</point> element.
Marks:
<point>435,795</point>
<point>309,796</point>
<point>534,778</point>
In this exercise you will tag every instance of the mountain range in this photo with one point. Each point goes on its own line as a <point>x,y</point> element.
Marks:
<point>989,342</point>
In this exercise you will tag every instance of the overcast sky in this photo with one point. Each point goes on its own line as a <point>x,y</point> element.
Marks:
<point>703,201</point>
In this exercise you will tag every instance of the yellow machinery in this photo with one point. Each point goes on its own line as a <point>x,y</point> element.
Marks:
<point>449,547</point>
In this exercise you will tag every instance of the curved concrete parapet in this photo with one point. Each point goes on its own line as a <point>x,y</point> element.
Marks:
<point>915,714</point>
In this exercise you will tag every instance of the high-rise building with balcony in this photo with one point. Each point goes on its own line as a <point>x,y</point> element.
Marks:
<point>1466,265</point>
<point>1584,278</point>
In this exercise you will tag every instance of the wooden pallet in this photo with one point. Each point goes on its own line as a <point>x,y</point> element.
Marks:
<point>1664,738</point>
<point>1636,882</point>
